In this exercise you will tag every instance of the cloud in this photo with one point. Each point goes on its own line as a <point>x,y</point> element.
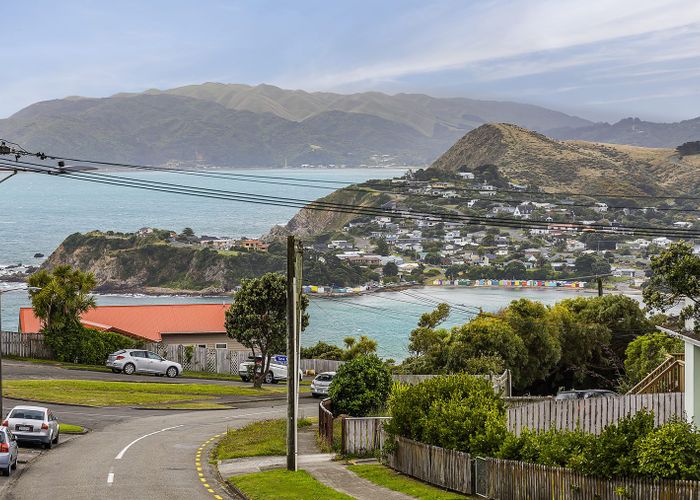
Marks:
<point>473,37</point>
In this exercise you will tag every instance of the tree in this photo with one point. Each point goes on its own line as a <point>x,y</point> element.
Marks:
<point>63,295</point>
<point>514,269</point>
<point>360,387</point>
<point>257,318</point>
<point>647,352</point>
<point>675,281</point>
<point>382,247</point>
<point>589,265</point>
<point>355,348</point>
<point>390,269</point>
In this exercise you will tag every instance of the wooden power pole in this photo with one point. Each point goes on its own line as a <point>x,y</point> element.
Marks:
<point>294,290</point>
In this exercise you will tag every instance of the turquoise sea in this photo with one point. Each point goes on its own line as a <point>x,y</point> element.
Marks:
<point>38,212</point>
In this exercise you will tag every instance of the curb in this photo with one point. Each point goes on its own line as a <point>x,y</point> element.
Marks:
<point>54,403</point>
<point>183,409</point>
<point>230,487</point>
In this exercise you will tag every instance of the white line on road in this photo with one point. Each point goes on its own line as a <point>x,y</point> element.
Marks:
<point>110,478</point>
<point>124,450</point>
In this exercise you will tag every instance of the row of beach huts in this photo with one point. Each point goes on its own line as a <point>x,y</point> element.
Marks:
<point>512,283</point>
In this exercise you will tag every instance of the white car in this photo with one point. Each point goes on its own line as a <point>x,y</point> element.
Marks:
<point>277,371</point>
<point>33,424</point>
<point>130,361</point>
<point>321,384</point>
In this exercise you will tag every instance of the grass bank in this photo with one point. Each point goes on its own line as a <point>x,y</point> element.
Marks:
<point>284,485</point>
<point>265,438</point>
<point>99,393</point>
<point>390,479</point>
<point>70,429</point>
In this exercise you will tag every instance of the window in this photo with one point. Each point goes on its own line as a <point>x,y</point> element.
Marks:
<point>27,414</point>
<point>138,354</point>
<point>223,345</point>
<point>202,345</point>
<point>152,355</point>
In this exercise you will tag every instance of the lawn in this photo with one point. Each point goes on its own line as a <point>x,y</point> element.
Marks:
<point>98,393</point>
<point>390,479</point>
<point>70,429</point>
<point>284,485</point>
<point>265,438</point>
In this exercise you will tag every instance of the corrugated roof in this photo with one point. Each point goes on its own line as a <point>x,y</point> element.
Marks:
<point>144,321</point>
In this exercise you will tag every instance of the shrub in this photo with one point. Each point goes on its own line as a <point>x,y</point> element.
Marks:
<point>647,352</point>
<point>671,451</point>
<point>361,386</point>
<point>553,447</point>
<point>614,451</point>
<point>82,345</point>
<point>459,412</point>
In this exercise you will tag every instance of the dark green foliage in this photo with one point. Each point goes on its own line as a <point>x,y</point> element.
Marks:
<point>353,348</point>
<point>671,451</point>
<point>257,317</point>
<point>647,352</point>
<point>675,277</point>
<point>322,350</point>
<point>589,265</point>
<point>82,345</point>
<point>459,412</point>
<point>553,447</point>
<point>390,269</point>
<point>361,386</point>
<point>689,148</point>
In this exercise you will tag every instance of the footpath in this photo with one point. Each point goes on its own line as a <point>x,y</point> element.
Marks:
<point>321,466</point>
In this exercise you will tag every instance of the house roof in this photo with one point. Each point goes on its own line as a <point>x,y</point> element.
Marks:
<point>147,322</point>
<point>684,338</point>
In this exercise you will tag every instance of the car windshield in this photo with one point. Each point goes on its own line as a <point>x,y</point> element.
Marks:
<point>567,395</point>
<point>324,378</point>
<point>27,414</point>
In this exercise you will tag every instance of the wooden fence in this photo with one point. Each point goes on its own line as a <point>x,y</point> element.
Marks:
<point>363,435</point>
<point>25,345</point>
<point>325,422</point>
<point>511,480</point>
<point>669,376</point>
<point>201,359</point>
<point>320,365</point>
<point>444,468</point>
<point>592,415</point>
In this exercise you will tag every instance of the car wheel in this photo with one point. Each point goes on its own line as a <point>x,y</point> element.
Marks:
<point>245,379</point>
<point>6,471</point>
<point>55,440</point>
<point>171,372</point>
<point>48,445</point>
<point>115,370</point>
<point>314,395</point>
<point>129,368</point>
<point>269,378</point>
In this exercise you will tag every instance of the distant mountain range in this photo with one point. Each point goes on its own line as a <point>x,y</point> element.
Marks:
<point>245,126</point>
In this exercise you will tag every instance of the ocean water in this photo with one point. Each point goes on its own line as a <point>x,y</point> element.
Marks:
<point>38,212</point>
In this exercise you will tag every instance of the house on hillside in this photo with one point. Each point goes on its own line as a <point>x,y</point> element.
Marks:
<point>199,325</point>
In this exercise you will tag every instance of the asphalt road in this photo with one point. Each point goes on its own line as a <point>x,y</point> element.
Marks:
<point>131,453</point>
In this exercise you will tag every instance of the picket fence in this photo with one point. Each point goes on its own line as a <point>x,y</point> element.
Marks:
<point>363,435</point>
<point>592,415</point>
<point>25,345</point>
<point>320,365</point>
<point>325,422</point>
<point>511,480</point>
<point>441,467</point>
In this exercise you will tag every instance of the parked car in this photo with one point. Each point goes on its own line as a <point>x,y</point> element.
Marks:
<point>33,424</point>
<point>585,394</point>
<point>130,361</point>
<point>277,371</point>
<point>8,451</point>
<point>321,383</point>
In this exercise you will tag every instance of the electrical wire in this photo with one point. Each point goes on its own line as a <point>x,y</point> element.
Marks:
<point>345,208</point>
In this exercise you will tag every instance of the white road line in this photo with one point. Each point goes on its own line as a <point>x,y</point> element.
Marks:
<point>110,478</point>
<point>124,450</point>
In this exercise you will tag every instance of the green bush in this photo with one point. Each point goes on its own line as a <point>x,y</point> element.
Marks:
<point>671,451</point>
<point>361,386</point>
<point>459,412</point>
<point>614,452</point>
<point>82,345</point>
<point>554,447</point>
<point>646,352</point>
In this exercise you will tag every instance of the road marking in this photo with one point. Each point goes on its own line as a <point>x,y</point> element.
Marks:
<point>110,478</point>
<point>124,450</point>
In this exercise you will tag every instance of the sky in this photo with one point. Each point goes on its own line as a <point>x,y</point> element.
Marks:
<point>602,60</point>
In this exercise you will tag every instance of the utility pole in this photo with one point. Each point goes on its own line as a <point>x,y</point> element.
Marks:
<point>294,281</point>
<point>600,286</point>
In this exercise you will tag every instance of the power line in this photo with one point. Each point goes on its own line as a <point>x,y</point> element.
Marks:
<point>346,208</point>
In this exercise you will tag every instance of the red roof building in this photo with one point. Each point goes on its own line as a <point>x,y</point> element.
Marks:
<point>187,324</point>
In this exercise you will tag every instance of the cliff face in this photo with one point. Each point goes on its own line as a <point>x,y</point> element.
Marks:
<point>131,263</point>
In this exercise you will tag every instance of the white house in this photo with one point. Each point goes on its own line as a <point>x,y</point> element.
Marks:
<point>466,175</point>
<point>661,241</point>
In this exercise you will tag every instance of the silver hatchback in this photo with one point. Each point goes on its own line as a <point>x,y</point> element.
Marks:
<point>33,424</point>
<point>321,384</point>
<point>130,361</point>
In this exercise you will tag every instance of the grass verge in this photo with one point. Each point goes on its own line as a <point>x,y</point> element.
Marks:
<point>284,485</point>
<point>390,479</point>
<point>99,393</point>
<point>189,405</point>
<point>70,429</point>
<point>265,438</point>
